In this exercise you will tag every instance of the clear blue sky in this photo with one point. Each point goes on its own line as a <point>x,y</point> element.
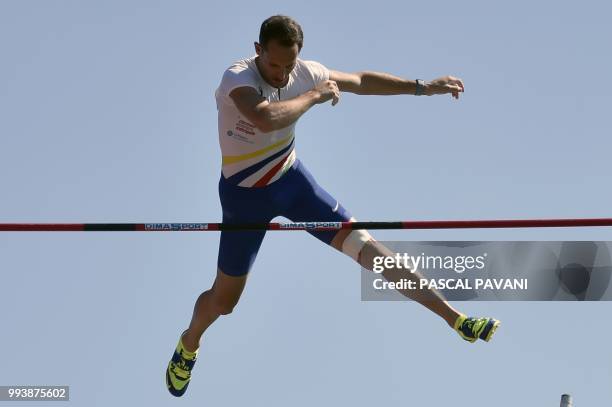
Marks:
<point>108,115</point>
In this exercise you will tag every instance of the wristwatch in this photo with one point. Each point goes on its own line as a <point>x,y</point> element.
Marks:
<point>420,87</point>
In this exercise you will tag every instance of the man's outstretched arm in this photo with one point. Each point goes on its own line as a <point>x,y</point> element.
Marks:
<point>378,83</point>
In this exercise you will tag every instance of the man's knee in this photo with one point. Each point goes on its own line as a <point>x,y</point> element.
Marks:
<point>223,306</point>
<point>226,292</point>
<point>355,242</point>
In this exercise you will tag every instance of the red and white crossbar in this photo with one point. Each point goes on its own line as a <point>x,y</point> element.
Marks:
<point>312,226</point>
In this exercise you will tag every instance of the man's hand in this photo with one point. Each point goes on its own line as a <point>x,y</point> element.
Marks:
<point>444,85</point>
<point>327,90</point>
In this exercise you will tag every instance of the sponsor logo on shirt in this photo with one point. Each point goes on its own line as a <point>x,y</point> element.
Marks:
<point>239,137</point>
<point>245,127</point>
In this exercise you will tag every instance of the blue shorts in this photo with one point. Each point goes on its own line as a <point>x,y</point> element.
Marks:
<point>295,196</point>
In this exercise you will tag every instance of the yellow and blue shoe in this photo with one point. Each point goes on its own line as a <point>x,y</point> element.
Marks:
<point>470,328</point>
<point>179,369</point>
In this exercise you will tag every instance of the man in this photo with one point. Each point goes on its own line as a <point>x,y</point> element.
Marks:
<point>259,102</point>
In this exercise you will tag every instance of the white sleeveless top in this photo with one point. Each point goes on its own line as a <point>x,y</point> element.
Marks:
<point>252,158</point>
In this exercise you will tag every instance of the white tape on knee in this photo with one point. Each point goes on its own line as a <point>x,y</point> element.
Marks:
<point>354,242</point>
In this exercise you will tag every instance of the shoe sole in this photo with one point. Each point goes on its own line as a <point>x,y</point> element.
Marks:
<point>489,330</point>
<point>175,392</point>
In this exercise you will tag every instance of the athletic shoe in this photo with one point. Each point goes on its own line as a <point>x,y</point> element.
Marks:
<point>470,328</point>
<point>179,369</point>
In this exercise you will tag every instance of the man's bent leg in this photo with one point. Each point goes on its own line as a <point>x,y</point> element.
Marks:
<point>237,253</point>
<point>219,300</point>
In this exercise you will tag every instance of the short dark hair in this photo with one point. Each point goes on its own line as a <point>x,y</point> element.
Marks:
<point>283,29</point>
